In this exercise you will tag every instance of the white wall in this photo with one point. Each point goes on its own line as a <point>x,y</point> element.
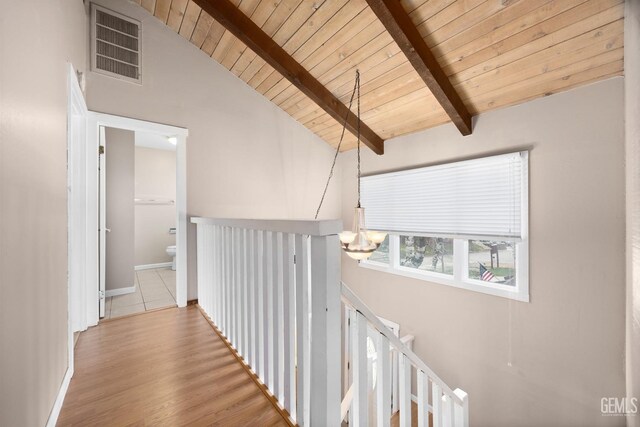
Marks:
<point>550,361</point>
<point>37,38</point>
<point>155,178</point>
<point>245,156</point>
<point>632,135</point>
<point>120,214</point>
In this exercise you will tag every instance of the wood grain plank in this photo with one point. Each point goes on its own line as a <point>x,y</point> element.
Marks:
<point>149,5</point>
<point>191,18</point>
<point>176,14</point>
<point>214,35</point>
<point>162,10</point>
<point>202,29</point>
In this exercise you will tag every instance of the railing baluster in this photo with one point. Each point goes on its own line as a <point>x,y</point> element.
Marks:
<point>245,297</point>
<point>436,404</point>
<point>269,336</point>
<point>223,279</point>
<point>288,329</point>
<point>360,405</point>
<point>201,270</point>
<point>209,267</point>
<point>303,374</point>
<point>260,319</point>
<point>423,400</point>
<point>405,391</point>
<point>214,272</point>
<point>461,411</point>
<point>229,284</point>
<point>240,296</point>
<point>234,287</point>
<point>278,336</point>
<point>218,267</point>
<point>251,306</point>
<point>447,411</point>
<point>383,380</point>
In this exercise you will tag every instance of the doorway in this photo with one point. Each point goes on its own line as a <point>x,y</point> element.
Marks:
<point>138,170</point>
<point>100,126</point>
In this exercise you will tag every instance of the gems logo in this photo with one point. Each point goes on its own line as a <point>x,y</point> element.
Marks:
<point>619,406</point>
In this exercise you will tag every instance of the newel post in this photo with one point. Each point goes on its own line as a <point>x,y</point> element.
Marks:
<point>325,331</point>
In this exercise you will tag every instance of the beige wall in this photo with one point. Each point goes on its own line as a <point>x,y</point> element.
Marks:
<point>632,130</point>
<point>155,177</point>
<point>245,156</point>
<point>37,38</point>
<point>120,219</point>
<point>547,362</point>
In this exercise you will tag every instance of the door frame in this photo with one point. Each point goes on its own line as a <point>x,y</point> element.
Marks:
<point>97,120</point>
<point>77,241</point>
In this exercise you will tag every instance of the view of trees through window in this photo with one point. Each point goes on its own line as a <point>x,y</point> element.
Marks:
<point>427,253</point>
<point>489,261</point>
<point>492,261</point>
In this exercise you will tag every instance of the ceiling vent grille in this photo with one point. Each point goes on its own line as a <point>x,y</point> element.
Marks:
<point>115,41</point>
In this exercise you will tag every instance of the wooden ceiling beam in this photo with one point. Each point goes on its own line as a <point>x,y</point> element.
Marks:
<point>401,28</point>
<point>241,26</point>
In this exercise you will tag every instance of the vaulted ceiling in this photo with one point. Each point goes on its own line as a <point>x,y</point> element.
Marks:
<point>495,53</point>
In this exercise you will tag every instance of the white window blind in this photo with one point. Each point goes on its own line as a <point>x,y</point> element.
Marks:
<point>474,198</point>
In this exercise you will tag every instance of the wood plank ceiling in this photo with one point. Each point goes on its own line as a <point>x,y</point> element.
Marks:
<point>496,53</point>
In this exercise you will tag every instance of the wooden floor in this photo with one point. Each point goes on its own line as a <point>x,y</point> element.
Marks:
<point>162,368</point>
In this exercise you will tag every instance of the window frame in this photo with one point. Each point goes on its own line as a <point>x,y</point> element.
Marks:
<point>460,278</point>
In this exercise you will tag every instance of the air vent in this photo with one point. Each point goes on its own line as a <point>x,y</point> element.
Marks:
<point>115,40</point>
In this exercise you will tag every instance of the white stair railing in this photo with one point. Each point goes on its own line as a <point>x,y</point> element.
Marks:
<point>272,288</point>
<point>449,408</point>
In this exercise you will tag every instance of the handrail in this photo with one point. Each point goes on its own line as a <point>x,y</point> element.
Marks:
<point>353,300</point>
<point>307,227</point>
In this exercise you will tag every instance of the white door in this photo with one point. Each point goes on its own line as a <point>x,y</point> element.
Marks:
<point>77,203</point>
<point>103,230</point>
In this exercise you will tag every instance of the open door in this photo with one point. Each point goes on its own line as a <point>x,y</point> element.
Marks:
<point>103,230</point>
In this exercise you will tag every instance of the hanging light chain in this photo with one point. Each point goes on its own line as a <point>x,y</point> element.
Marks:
<point>358,127</point>
<point>335,157</point>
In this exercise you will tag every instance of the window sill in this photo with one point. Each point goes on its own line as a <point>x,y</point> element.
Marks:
<point>442,279</point>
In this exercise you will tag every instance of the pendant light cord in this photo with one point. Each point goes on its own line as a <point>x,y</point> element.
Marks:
<point>335,157</point>
<point>358,87</point>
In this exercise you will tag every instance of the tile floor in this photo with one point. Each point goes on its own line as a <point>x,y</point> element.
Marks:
<point>155,288</point>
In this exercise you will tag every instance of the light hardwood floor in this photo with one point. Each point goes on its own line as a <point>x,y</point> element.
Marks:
<point>161,368</point>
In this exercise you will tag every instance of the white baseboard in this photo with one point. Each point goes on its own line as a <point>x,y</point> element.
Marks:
<point>57,405</point>
<point>120,291</point>
<point>150,266</point>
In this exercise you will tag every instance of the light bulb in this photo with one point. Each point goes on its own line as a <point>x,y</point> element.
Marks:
<point>347,237</point>
<point>376,237</point>
<point>359,256</point>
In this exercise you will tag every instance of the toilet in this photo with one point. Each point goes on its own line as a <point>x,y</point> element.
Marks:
<point>171,251</point>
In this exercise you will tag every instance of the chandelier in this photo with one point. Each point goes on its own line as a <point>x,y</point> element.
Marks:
<point>359,243</point>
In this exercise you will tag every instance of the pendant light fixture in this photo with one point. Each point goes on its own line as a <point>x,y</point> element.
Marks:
<point>359,243</point>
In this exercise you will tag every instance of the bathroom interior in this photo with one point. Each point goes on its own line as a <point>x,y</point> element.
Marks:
<point>140,220</point>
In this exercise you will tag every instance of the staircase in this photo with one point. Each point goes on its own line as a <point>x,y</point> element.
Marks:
<point>273,290</point>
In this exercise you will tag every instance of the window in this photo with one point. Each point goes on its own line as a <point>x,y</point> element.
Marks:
<point>461,224</point>
<point>427,253</point>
